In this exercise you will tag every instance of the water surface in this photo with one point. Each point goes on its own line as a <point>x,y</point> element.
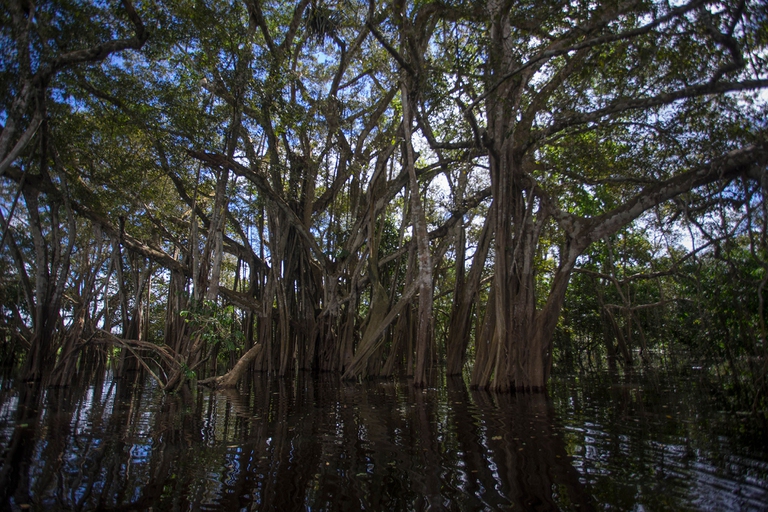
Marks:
<point>599,443</point>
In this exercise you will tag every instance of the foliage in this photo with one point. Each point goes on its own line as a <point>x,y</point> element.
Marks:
<point>215,324</point>
<point>337,181</point>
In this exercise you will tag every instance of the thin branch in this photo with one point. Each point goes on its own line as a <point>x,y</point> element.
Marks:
<point>610,38</point>
<point>399,58</point>
<point>627,104</point>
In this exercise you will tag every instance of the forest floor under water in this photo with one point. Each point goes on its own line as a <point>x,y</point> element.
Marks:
<point>643,441</point>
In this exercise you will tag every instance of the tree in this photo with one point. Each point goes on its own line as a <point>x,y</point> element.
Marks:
<point>326,173</point>
<point>40,44</point>
<point>557,76</point>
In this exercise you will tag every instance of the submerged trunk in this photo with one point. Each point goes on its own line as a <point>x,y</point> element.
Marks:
<point>514,351</point>
<point>517,347</point>
<point>519,342</point>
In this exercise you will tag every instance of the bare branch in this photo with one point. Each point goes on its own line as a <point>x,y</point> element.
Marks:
<point>394,53</point>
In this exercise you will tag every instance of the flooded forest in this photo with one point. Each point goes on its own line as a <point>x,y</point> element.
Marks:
<point>400,255</point>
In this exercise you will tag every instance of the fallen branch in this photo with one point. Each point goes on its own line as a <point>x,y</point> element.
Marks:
<point>232,377</point>
<point>165,353</point>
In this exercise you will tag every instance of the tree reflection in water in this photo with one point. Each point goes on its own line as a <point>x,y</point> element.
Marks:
<point>319,444</point>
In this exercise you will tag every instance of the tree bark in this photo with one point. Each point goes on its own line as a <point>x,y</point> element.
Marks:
<point>424,341</point>
<point>233,376</point>
<point>465,298</point>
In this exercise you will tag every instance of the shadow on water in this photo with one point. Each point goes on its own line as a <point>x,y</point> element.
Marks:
<point>321,444</point>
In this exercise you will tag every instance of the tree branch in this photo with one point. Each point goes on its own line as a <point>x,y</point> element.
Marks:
<point>750,161</point>
<point>555,50</point>
<point>666,98</point>
<point>261,182</point>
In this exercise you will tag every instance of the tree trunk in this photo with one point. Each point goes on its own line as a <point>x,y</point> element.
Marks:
<point>214,245</point>
<point>52,272</point>
<point>401,350</point>
<point>607,324</point>
<point>465,296</point>
<point>175,327</point>
<point>424,340</point>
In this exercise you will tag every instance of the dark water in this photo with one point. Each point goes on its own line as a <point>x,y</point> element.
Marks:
<point>639,443</point>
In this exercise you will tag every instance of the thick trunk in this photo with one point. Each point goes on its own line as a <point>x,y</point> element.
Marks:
<point>308,291</point>
<point>175,327</point>
<point>372,337</point>
<point>458,331</point>
<point>214,250</point>
<point>370,342</point>
<point>401,350</point>
<point>516,348</point>
<point>483,367</point>
<point>345,348</point>
<point>285,346</point>
<point>42,354</point>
